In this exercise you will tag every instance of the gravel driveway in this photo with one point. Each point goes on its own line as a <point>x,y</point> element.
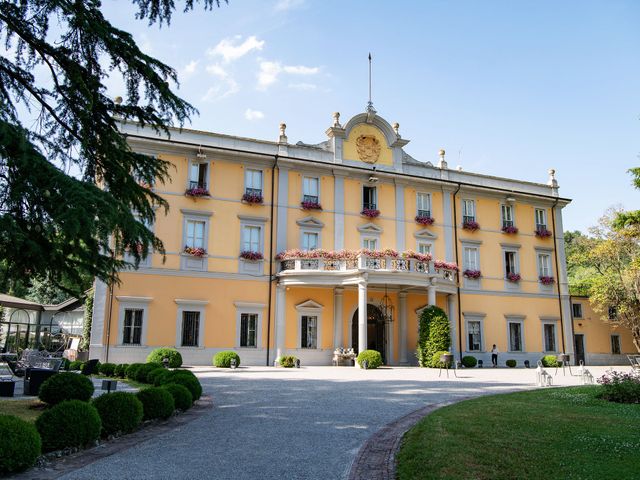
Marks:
<point>303,423</point>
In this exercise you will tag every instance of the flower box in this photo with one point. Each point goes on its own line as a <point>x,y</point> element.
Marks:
<point>543,233</point>
<point>253,198</point>
<point>545,280</point>
<point>510,230</point>
<point>472,273</point>
<point>370,212</point>
<point>195,251</point>
<point>472,226</point>
<point>441,265</point>
<point>253,256</point>
<point>197,192</point>
<point>421,257</point>
<point>424,220</point>
<point>310,205</point>
<point>513,277</point>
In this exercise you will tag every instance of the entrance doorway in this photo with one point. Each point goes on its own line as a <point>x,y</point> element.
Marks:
<point>376,337</point>
<point>579,347</point>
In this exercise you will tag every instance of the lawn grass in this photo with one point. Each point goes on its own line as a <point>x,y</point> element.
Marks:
<point>28,409</point>
<point>563,433</point>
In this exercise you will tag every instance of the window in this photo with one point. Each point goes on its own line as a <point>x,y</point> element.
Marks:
<point>309,332</point>
<point>577,310</point>
<point>190,328</point>
<point>470,258</point>
<point>615,344</point>
<point>549,330</point>
<point>369,198</point>
<point>195,233</point>
<point>198,174</point>
<point>468,211</point>
<point>253,182</point>
<point>251,238</point>
<point>541,219</point>
<point>310,189</point>
<point>309,240</point>
<point>507,216</point>
<point>613,313</point>
<point>544,265</point>
<point>515,336</point>
<point>424,204</point>
<point>510,265</point>
<point>132,330</point>
<point>424,248</point>
<point>473,330</point>
<point>370,243</point>
<point>248,330</point>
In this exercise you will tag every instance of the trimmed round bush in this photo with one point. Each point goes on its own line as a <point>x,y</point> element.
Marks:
<point>223,359</point>
<point>107,369</point>
<point>120,370</point>
<point>76,365</point>
<point>161,377</point>
<point>287,361</point>
<point>66,386</point>
<point>96,368</point>
<point>373,358</point>
<point>119,412</point>
<point>550,361</point>
<point>511,363</point>
<point>20,444</point>
<point>156,356</point>
<point>184,378</point>
<point>68,424</point>
<point>144,370</point>
<point>435,361</point>
<point>157,402</point>
<point>132,370</point>
<point>181,395</point>
<point>153,375</point>
<point>469,361</point>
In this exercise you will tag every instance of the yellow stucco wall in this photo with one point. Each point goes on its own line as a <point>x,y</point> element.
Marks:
<point>351,152</point>
<point>597,331</point>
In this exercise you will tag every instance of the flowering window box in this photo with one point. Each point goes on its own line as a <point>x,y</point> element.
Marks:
<point>421,257</point>
<point>424,220</point>
<point>513,277</point>
<point>441,265</point>
<point>545,280</point>
<point>471,225</point>
<point>310,205</point>
<point>197,192</point>
<point>510,229</point>
<point>370,212</point>
<point>252,256</point>
<point>472,273</point>
<point>195,251</point>
<point>543,233</point>
<point>253,198</point>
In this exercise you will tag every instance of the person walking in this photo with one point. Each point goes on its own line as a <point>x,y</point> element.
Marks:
<point>494,355</point>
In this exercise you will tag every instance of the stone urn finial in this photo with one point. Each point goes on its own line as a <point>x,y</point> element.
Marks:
<point>552,182</point>
<point>283,135</point>
<point>336,120</point>
<point>442,163</point>
<point>396,128</point>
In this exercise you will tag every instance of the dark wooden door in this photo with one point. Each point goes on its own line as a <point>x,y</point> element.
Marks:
<point>579,347</point>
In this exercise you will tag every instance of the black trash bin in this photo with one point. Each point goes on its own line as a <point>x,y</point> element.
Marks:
<point>7,387</point>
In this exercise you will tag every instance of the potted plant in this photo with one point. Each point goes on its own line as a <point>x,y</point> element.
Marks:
<point>195,251</point>
<point>471,225</point>
<point>424,220</point>
<point>370,212</point>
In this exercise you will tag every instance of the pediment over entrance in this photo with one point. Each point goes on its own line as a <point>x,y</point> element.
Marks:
<point>309,305</point>
<point>370,228</point>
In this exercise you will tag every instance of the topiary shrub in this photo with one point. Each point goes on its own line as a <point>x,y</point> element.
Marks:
<point>156,356</point>
<point>511,363</point>
<point>144,370</point>
<point>181,395</point>
<point>190,382</point>
<point>550,361</point>
<point>76,365</point>
<point>120,370</point>
<point>96,368</point>
<point>132,370</point>
<point>161,377</point>
<point>223,359</point>
<point>20,444</point>
<point>107,369</point>
<point>434,335</point>
<point>69,424</point>
<point>287,361</point>
<point>156,403</point>
<point>153,375</point>
<point>119,412</point>
<point>469,361</point>
<point>373,358</point>
<point>66,386</point>
<point>435,359</point>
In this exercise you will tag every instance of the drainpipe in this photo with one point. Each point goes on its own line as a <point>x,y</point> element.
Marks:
<point>269,301</point>
<point>555,256</point>
<point>455,237</point>
<point>106,354</point>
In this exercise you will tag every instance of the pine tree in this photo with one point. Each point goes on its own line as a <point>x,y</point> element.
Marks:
<point>53,224</point>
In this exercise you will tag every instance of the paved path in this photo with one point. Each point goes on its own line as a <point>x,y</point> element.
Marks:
<point>296,424</point>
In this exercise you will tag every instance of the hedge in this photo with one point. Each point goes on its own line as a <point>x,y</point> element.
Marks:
<point>154,374</point>
<point>181,395</point>
<point>511,363</point>
<point>434,335</point>
<point>144,370</point>
<point>107,369</point>
<point>287,361</point>
<point>469,361</point>
<point>156,356</point>
<point>69,424</point>
<point>119,412</point>
<point>20,444</point>
<point>132,370</point>
<point>120,370</point>
<point>156,403</point>
<point>223,359</point>
<point>435,359</point>
<point>66,386</point>
<point>184,378</point>
<point>373,358</point>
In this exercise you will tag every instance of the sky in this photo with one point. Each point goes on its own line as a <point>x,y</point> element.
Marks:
<point>506,88</point>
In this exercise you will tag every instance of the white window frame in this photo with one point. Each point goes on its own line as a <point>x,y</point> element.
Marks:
<point>421,199</point>
<point>515,319</point>
<point>307,181</point>
<point>251,309</point>
<point>424,243</point>
<point>305,233</point>
<point>190,305</point>
<point>366,239</point>
<point>309,308</point>
<point>194,173</point>
<point>544,270</point>
<point>375,196</point>
<point>253,244</point>
<point>470,257</point>
<point>504,209</point>
<point>250,175</point>
<point>619,341</point>
<point>540,214</point>
<point>555,336</point>
<point>515,249</point>
<point>573,304</point>
<point>187,261</point>
<point>246,266</point>
<point>144,262</point>
<point>466,202</point>
<point>196,241</point>
<point>133,303</point>
<point>474,317</point>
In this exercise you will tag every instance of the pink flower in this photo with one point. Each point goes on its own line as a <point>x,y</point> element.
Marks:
<point>195,251</point>
<point>510,229</point>
<point>472,226</point>
<point>513,277</point>
<point>247,255</point>
<point>543,233</point>
<point>371,213</point>
<point>197,192</point>
<point>421,257</point>
<point>424,220</point>
<point>472,273</point>
<point>442,265</point>
<point>545,280</point>
<point>253,198</point>
<point>311,206</point>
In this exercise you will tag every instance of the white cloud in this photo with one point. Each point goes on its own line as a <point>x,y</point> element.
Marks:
<point>253,114</point>
<point>303,86</point>
<point>224,89</point>
<point>269,72</point>
<point>217,71</point>
<point>230,49</point>
<point>188,70</point>
<point>301,70</point>
<point>283,5</point>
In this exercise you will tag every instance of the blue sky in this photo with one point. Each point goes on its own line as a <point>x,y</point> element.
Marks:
<point>507,88</point>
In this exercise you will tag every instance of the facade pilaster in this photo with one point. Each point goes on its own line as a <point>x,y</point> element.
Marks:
<point>338,297</point>
<point>402,328</point>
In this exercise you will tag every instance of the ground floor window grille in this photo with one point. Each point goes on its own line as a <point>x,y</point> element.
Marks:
<point>248,329</point>
<point>549,338</point>
<point>132,333</point>
<point>309,333</point>
<point>615,344</point>
<point>515,337</point>
<point>190,328</point>
<point>473,329</point>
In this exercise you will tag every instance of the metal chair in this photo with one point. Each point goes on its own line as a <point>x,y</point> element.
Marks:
<point>447,361</point>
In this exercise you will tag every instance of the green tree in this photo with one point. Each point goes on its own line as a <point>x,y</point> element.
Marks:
<point>434,335</point>
<point>62,226</point>
<point>629,222</point>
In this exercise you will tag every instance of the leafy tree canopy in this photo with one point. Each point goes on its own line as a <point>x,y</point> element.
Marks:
<point>66,227</point>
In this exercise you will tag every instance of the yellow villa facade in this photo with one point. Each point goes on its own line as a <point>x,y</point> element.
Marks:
<point>275,248</point>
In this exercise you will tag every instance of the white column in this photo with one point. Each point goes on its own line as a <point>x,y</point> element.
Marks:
<point>402,328</point>
<point>431,295</point>
<point>280,319</point>
<point>453,323</point>
<point>362,316</point>
<point>337,318</point>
